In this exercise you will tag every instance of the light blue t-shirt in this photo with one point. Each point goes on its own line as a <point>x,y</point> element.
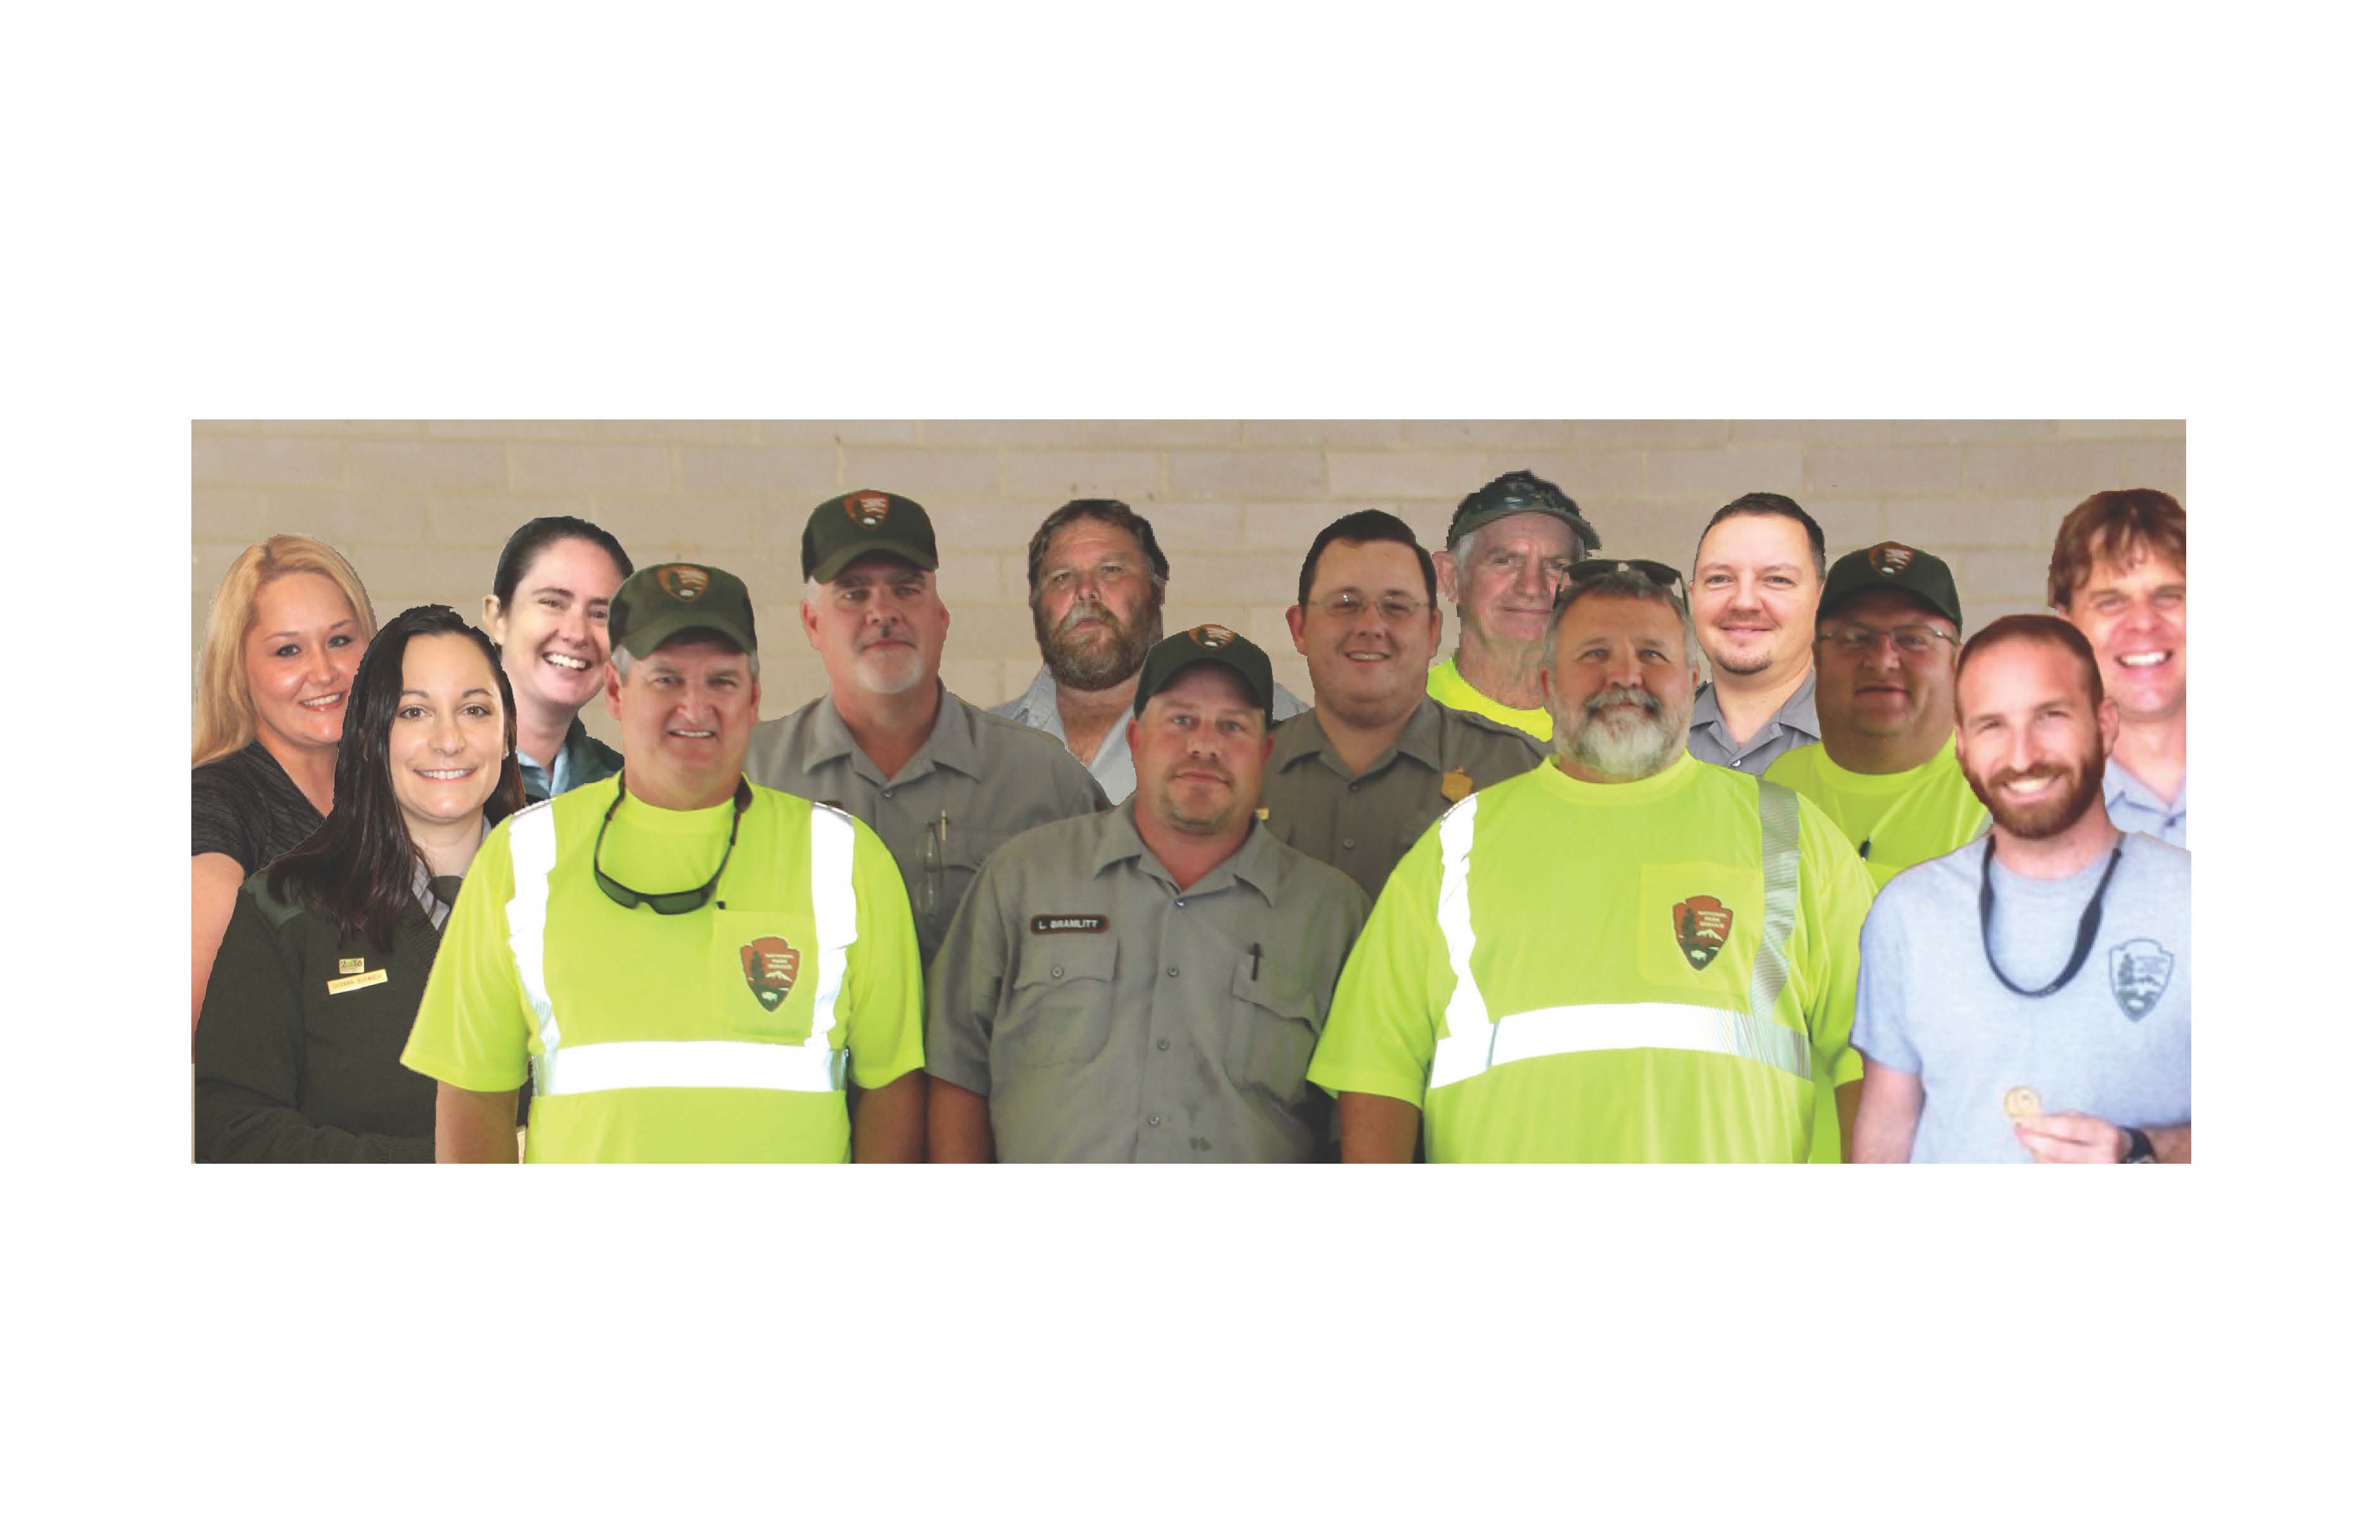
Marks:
<point>2114,1042</point>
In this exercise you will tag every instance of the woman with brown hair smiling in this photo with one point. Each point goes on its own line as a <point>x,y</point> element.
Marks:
<point>315,984</point>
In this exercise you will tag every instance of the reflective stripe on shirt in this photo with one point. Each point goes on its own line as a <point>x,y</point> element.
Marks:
<point>671,1063</point>
<point>1475,1044</point>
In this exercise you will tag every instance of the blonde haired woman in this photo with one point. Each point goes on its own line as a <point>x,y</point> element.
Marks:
<point>288,624</point>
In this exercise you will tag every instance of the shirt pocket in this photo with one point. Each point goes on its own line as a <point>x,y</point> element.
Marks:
<point>763,973</point>
<point>1273,1030</point>
<point>1061,1007</point>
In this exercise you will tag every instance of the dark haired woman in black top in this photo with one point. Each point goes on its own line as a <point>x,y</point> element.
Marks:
<point>315,984</point>
<point>553,587</point>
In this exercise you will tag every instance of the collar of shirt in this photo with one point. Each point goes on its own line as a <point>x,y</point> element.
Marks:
<point>1800,714</point>
<point>953,744</point>
<point>431,904</point>
<point>2118,784</point>
<point>533,776</point>
<point>1423,737</point>
<point>1262,862</point>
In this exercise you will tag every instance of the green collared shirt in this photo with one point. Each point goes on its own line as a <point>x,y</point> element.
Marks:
<point>978,780</point>
<point>1363,824</point>
<point>1108,1016</point>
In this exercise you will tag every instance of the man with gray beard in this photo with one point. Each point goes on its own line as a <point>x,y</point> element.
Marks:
<point>1096,579</point>
<point>1624,955</point>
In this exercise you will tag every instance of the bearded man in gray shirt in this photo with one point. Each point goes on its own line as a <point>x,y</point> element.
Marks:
<point>2027,995</point>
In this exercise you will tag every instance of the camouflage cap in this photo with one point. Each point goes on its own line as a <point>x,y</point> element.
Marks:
<point>1207,644</point>
<point>844,528</point>
<point>1518,491</point>
<point>659,603</point>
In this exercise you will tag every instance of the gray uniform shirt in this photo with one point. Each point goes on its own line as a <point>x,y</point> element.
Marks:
<point>1363,824</point>
<point>2135,809</point>
<point>1796,723</point>
<point>1108,1016</point>
<point>1111,766</point>
<point>2114,1042</point>
<point>979,780</point>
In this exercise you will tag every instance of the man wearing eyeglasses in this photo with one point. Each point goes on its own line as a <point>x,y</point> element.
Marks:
<point>1506,552</point>
<point>690,968</point>
<point>1625,954</point>
<point>1095,579</point>
<point>1887,769</point>
<point>1355,781</point>
<point>942,783</point>
<point>2028,996</point>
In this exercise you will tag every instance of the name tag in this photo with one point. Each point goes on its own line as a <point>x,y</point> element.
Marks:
<point>357,981</point>
<point>1053,925</point>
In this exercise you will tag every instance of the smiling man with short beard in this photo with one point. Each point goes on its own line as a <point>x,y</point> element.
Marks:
<point>1095,579</point>
<point>1625,954</point>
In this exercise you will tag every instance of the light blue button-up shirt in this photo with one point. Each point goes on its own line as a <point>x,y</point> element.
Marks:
<point>2135,809</point>
<point>1111,766</point>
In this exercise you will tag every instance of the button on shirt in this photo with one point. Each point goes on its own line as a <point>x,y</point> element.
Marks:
<point>1106,1014</point>
<point>1796,723</point>
<point>1111,766</point>
<point>1363,824</point>
<point>977,780</point>
<point>2135,809</point>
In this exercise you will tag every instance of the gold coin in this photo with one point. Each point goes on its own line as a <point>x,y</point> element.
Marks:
<point>2021,1102</point>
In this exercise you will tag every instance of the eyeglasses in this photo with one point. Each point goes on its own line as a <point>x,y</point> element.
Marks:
<point>1910,641</point>
<point>667,904</point>
<point>1604,566</point>
<point>1347,604</point>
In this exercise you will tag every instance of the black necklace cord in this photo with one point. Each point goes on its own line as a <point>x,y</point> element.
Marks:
<point>2085,933</point>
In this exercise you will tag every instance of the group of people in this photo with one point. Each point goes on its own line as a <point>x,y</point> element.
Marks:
<point>1756,859</point>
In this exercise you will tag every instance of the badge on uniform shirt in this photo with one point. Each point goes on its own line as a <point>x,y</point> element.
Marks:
<point>359,981</point>
<point>1455,785</point>
<point>351,965</point>
<point>2138,971</point>
<point>1067,925</point>
<point>1702,924</point>
<point>769,966</point>
<point>1264,815</point>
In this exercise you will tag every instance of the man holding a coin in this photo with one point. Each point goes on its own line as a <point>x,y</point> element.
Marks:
<point>2027,996</point>
<point>942,783</point>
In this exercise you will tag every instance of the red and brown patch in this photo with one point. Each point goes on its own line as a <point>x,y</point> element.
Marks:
<point>770,969</point>
<point>1702,924</point>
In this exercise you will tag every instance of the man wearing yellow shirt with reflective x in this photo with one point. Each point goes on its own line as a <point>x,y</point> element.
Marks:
<point>1886,769</point>
<point>693,968</point>
<point>1625,954</point>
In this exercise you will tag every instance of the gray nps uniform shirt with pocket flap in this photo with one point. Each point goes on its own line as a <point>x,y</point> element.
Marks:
<point>1363,824</point>
<point>979,780</point>
<point>1108,1015</point>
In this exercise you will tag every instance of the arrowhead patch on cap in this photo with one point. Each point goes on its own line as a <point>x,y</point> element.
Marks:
<point>683,582</point>
<point>1211,636</point>
<point>1889,558</point>
<point>868,509</point>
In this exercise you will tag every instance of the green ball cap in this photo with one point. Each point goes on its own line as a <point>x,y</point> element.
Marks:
<point>841,529</point>
<point>657,604</point>
<point>1207,644</point>
<point>1890,565</point>
<point>1518,491</point>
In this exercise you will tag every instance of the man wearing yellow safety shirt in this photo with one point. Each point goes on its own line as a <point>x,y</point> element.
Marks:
<point>1625,954</point>
<point>1886,768</point>
<point>1505,555</point>
<point>693,968</point>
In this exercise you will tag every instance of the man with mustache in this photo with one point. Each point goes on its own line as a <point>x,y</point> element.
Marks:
<point>1355,781</point>
<point>1095,580</point>
<point>2116,573</point>
<point>2027,995</point>
<point>1625,954</point>
<point>941,782</point>
<point>1144,984</point>
<point>1506,552</point>
<point>1756,593</point>
<point>1887,771</point>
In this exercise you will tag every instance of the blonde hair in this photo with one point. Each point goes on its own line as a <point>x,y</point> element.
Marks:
<point>223,720</point>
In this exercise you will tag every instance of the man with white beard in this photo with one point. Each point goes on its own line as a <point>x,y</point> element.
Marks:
<point>1625,954</point>
<point>942,783</point>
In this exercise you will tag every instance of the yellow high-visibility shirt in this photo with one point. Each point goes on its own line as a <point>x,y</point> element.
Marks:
<point>1894,820</point>
<point>1447,688</point>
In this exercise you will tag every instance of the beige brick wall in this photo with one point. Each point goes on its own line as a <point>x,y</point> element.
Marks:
<point>422,508</point>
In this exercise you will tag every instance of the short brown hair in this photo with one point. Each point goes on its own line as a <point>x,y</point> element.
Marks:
<point>2033,629</point>
<point>2107,527</point>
